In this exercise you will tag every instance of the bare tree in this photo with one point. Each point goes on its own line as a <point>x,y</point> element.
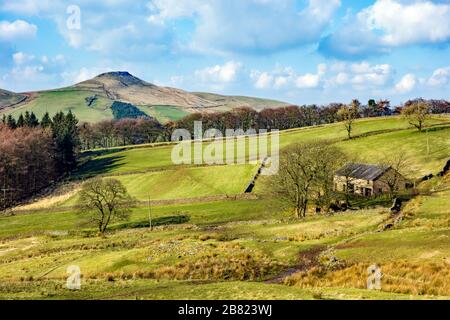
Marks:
<point>104,201</point>
<point>346,172</point>
<point>348,114</point>
<point>397,167</point>
<point>331,160</point>
<point>417,113</point>
<point>305,173</point>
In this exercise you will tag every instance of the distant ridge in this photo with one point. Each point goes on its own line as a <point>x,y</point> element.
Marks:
<point>9,99</point>
<point>91,100</point>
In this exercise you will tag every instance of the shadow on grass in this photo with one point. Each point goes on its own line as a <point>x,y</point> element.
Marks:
<point>161,221</point>
<point>94,167</point>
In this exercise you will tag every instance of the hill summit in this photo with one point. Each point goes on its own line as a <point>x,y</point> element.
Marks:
<point>123,86</point>
<point>91,100</point>
<point>124,77</point>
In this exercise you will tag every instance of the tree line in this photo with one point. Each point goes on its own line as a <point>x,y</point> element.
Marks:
<point>290,117</point>
<point>114,133</point>
<point>33,153</point>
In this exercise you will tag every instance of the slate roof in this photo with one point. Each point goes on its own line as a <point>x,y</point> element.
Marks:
<point>362,171</point>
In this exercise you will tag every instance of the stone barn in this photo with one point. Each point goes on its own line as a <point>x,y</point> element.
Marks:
<point>367,179</point>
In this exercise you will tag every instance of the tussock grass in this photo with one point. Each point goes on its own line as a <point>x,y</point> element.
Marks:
<point>223,262</point>
<point>428,278</point>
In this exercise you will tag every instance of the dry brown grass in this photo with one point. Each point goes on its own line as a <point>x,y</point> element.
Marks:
<point>230,264</point>
<point>399,277</point>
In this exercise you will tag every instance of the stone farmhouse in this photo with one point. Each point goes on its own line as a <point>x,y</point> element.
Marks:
<point>368,180</point>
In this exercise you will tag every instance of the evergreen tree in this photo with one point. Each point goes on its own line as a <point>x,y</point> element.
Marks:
<point>46,121</point>
<point>27,119</point>
<point>11,122</point>
<point>20,121</point>
<point>65,133</point>
<point>34,122</point>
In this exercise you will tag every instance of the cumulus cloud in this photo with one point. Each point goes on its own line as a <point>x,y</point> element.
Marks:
<point>440,77</point>
<point>219,26</point>
<point>249,26</point>
<point>402,24</point>
<point>21,58</point>
<point>28,7</point>
<point>406,84</point>
<point>358,76</point>
<point>38,72</point>
<point>286,77</point>
<point>264,80</point>
<point>388,24</point>
<point>308,80</point>
<point>116,28</point>
<point>219,73</point>
<point>18,29</point>
<point>371,75</point>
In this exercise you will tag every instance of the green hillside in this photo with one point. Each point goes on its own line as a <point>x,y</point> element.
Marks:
<point>236,247</point>
<point>383,132</point>
<point>164,114</point>
<point>240,101</point>
<point>8,98</point>
<point>75,100</point>
<point>65,100</point>
<point>91,100</point>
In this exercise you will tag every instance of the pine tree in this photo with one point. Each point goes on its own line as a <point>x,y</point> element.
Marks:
<point>46,122</point>
<point>65,133</point>
<point>34,122</point>
<point>11,122</point>
<point>20,121</point>
<point>27,119</point>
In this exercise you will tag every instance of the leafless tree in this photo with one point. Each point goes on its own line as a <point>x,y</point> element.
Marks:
<point>398,165</point>
<point>417,113</point>
<point>348,114</point>
<point>306,172</point>
<point>104,201</point>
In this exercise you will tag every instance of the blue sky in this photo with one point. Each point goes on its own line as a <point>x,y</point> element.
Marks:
<point>299,51</point>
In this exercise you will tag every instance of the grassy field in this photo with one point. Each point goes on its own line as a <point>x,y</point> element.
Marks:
<point>425,151</point>
<point>184,183</point>
<point>74,99</point>
<point>235,248</point>
<point>164,114</point>
<point>65,100</point>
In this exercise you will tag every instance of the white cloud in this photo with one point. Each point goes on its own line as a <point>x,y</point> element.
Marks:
<point>280,82</point>
<point>16,30</point>
<point>440,77</point>
<point>377,75</point>
<point>29,72</point>
<point>172,9</point>
<point>402,24</point>
<point>287,78</point>
<point>358,76</point>
<point>116,28</point>
<point>406,84</point>
<point>21,58</point>
<point>250,26</point>
<point>342,78</point>
<point>219,73</point>
<point>29,7</point>
<point>308,80</point>
<point>388,24</point>
<point>220,26</point>
<point>263,80</point>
